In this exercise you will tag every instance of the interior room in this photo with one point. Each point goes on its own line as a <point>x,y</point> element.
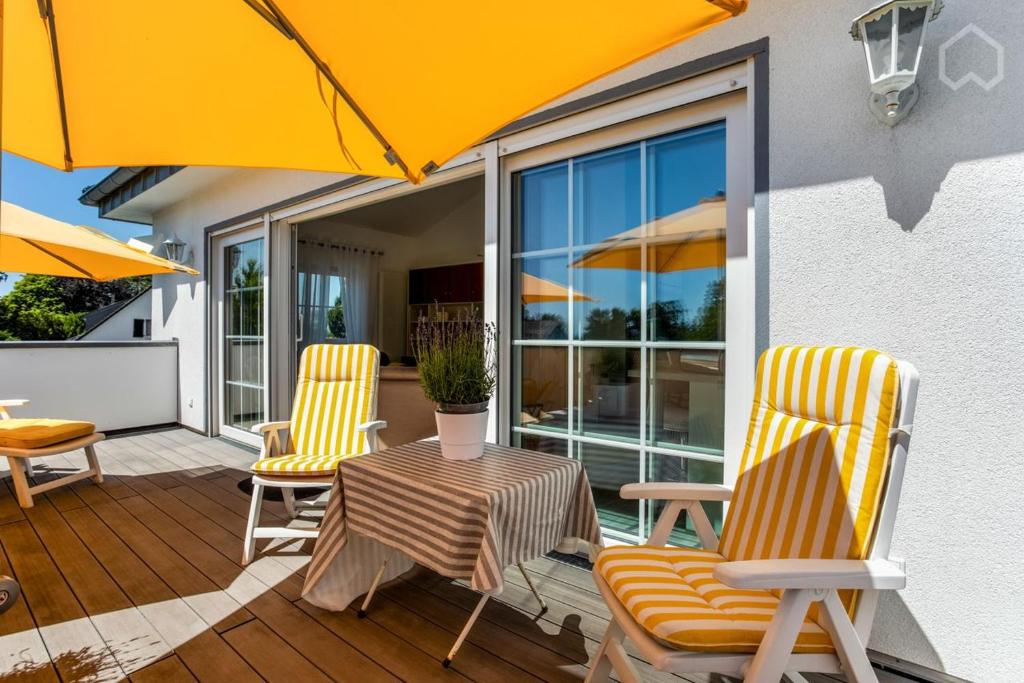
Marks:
<point>370,273</point>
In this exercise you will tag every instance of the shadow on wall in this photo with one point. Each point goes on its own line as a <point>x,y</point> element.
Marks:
<point>169,295</point>
<point>893,611</point>
<point>969,110</point>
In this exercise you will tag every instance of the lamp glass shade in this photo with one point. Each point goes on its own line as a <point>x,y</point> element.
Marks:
<point>174,249</point>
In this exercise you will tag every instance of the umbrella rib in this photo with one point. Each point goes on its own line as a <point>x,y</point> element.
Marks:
<point>289,30</point>
<point>46,13</point>
<point>60,258</point>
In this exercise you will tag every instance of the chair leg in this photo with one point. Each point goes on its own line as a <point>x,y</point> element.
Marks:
<point>94,464</point>
<point>249,545</point>
<point>611,656</point>
<point>772,657</point>
<point>856,665</point>
<point>20,482</point>
<point>288,496</point>
<point>27,464</point>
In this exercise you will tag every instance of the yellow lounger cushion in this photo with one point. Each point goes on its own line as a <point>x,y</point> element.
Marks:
<point>298,465</point>
<point>672,594</point>
<point>30,433</point>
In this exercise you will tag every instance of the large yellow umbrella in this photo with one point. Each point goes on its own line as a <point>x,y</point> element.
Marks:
<point>700,243</point>
<point>377,88</point>
<point>33,243</point>
<point>536,290</point>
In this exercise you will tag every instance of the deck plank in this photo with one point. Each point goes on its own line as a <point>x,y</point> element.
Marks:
<point>149,562</point>
<point>131,639</point>
<point>72,642</point>
<point>23,654</point>
<point>203,651</point>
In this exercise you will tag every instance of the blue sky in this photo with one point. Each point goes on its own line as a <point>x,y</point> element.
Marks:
<point>55,193</point>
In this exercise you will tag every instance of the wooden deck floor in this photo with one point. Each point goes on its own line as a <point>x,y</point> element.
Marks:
<point>139,578</point>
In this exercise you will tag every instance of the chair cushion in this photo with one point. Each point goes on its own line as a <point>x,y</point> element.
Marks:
<point>336,391</point>
<point>298,465</point>
<point>40,432</point>
<point>817,455</point>
<point>672,595</point>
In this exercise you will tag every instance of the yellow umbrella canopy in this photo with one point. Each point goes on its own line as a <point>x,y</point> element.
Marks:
<point>33,243</point>
<point>700,231</point>
<point>385,89</point>
<point>537,290</point>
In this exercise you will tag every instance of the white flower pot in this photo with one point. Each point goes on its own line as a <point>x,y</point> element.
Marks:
<point>461,434</point>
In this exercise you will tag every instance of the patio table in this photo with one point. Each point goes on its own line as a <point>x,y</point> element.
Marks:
<point>466,519</point>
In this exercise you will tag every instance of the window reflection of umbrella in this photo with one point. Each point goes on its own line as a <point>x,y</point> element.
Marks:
<point>537,290</point>
<point>700,231</point>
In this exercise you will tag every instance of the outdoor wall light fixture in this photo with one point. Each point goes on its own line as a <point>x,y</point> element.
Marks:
<point>893,36</point>
<point>177,250</point>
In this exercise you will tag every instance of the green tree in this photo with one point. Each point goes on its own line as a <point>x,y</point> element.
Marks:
<point>81,296</point>
<point>34,309</point>
<point>336,319</point>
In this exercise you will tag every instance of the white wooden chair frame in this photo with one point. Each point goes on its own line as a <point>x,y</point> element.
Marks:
<point>802,582</point>
<point>271,448</point>
<point>20,460</point>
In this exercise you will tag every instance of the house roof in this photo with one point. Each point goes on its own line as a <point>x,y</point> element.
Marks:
<point>94,319</point>
<point>122,184</point>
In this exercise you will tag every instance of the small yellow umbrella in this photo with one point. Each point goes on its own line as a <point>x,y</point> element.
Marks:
<point>537,290</point>
<point>701,243</point>
<point>33,243</point>
<point>376,88</point>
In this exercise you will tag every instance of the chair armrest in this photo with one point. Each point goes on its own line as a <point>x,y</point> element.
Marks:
<point>264,427</point>
<point>811,574</point>
<point>674,491</point>
<point>372,426</point>
<point>13,402</point>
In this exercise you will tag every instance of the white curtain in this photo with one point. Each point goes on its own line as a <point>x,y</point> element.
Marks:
<point>330,274</point>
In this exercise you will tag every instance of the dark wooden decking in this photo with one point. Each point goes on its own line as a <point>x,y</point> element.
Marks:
<point>139,577</point>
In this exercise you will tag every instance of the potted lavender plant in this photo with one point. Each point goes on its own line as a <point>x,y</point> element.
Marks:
<point>456,361</point>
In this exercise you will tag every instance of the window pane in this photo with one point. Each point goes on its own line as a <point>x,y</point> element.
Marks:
<point>606,195</point>
<point>607,302</point>
<point>541,208</point>
<point>608,393</point>
<point>670,468</point>
<point>543,388</point>
<point>686,179</point>
<point>543,444</point>
<point>687,400</point>
<point>542,292</point>
<point>608,469</point>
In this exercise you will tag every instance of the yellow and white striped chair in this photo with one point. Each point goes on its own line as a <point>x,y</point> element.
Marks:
<point>792,586</point>
<point>333,418</point>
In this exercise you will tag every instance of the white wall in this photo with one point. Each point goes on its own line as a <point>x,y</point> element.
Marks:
<point>115,386</point>
<point>121,325</point>
<point>910,240</point>
<point>906,239</point>
<point>179,301</point>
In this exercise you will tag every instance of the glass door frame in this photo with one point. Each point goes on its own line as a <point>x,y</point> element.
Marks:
<point>734,108</point>
<point>219,243</point>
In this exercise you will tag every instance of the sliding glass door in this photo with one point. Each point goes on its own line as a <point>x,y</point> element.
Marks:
<point>242,386</point>
<point>618,353</point>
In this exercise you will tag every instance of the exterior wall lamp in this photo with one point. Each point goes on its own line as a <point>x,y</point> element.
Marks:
<point>893,37</point>
<point>177,250</point>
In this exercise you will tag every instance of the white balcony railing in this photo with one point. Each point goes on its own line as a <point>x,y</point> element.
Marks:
<point>117,385</point>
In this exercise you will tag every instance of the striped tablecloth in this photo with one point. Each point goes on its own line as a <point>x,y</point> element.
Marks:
<point>463,519</point>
